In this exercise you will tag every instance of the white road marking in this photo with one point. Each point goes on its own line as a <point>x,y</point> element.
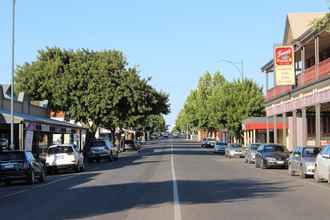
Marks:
<point>36,187</point>
<point>176,199</point>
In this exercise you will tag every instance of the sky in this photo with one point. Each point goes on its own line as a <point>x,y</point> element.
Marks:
<point>172,41</point>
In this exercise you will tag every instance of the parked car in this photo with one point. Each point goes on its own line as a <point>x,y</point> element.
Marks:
<point>302,161</point>
<point>98,150</point>
<point>250,153</point>
<point>220,147</point>
<point>19,165</point>
<point>64,156</point>
<point>234,150</point>
<point>271,155</point>
<point>322,165</point>
<point>208,143</point>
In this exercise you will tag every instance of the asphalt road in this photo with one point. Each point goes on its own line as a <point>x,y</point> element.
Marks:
<point>173,179</point>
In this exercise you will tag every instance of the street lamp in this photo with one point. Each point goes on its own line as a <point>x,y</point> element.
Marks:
<point>12,77</point>
<point>238,65</point>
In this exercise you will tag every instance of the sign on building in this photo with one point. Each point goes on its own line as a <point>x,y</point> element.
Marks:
<point>284,65</point>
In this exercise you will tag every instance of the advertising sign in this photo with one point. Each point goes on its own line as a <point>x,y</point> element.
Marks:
<point>284,65</point>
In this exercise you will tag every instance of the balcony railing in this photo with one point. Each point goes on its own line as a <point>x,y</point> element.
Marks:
<point>307,77</point>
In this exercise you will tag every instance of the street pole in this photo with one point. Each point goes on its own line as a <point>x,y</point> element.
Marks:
<point>238,65</point>
<point>12,78</point>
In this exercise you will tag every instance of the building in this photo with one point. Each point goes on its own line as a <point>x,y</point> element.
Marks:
<point>305,106</point>
<point>255,130</point>
<point>34,130</point>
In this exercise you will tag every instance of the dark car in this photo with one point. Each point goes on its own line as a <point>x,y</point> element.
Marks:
<point>208,143</point>
<point>19,165</point>
<point>97,150</point>
<point>271,155</point>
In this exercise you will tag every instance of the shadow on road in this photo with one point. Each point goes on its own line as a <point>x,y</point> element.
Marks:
<point>121,197</point>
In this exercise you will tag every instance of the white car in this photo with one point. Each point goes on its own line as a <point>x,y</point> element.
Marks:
<point>322,165</point>
<point>64,156</point>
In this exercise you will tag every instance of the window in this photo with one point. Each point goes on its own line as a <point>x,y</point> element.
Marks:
<point>311,152</point>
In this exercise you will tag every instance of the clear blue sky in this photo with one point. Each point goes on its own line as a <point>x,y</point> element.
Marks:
<point>173,41</point>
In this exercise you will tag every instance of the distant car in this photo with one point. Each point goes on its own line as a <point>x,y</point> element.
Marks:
<point>98,150</point>
<point>208,143</point>
<point>64,156</point>
<point>250,153</point>
<point>271,155</point>
<point>220,147</point>
<point>302,161</point>
<point>322,165</point>
<point>234,150</point>
<point>19,165</point>
<point>204,143</point>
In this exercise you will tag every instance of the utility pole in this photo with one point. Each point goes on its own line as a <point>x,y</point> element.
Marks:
<point>12,77</point>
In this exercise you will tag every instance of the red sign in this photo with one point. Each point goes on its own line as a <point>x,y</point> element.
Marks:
<point>284,55</point>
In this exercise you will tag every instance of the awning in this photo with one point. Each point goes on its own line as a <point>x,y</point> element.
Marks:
<point>5,117</point>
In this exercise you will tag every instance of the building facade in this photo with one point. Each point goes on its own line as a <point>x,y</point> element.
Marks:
<point>305,106</point>
<point>34,130</point>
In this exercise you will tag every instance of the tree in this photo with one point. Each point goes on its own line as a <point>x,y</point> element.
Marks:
<point>217,104</point>
<point>96,88</point>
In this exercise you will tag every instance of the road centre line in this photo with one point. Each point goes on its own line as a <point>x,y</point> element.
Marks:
<point>176,199</point>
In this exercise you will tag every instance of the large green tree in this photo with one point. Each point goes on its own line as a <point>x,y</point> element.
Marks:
<point>217,104</point>
<point>96,88</point>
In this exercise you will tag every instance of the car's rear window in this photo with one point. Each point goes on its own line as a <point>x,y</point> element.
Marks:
<point>273,148</point>
<point>8,156</point>
<point>254,146</point>
<point>221,143</point>
<point>311,152</point>
<point>235,146</point>
<point>97,144</point>
<point>60,150</point>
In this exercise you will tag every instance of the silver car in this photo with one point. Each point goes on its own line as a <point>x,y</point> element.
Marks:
<point>234,150</point>
<point>220,147</point>
<point>250,153</point>
<point>302,161</point>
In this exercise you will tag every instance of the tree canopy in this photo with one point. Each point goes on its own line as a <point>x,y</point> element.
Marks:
<point>96,88</point>
<point>217,104</point>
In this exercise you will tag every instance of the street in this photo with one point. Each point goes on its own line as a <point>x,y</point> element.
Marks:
<point>171,179</point>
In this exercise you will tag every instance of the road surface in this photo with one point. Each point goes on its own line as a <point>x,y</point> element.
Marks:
<point>172,179</point>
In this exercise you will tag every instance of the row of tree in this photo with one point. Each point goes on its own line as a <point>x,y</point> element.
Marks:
<point>95,88</point>
<point>219,104</point>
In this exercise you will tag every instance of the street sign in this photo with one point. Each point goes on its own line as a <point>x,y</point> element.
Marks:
<point>284,65</point>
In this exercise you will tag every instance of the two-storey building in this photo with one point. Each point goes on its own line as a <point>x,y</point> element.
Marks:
<point>305,106</point>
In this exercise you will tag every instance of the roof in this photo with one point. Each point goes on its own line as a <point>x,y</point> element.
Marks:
<point>19,117</point>
<point>298,23</point>
<point>296,26</point>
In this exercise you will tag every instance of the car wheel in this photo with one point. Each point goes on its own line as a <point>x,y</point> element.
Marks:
<point>302,173</point>
<point>82,167</point>
<point>290,171</point>
<point>31,178</point>
<point>317,176</point>
<point>43,176</point>
<point>77,168</point>
<point>263,165</point>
